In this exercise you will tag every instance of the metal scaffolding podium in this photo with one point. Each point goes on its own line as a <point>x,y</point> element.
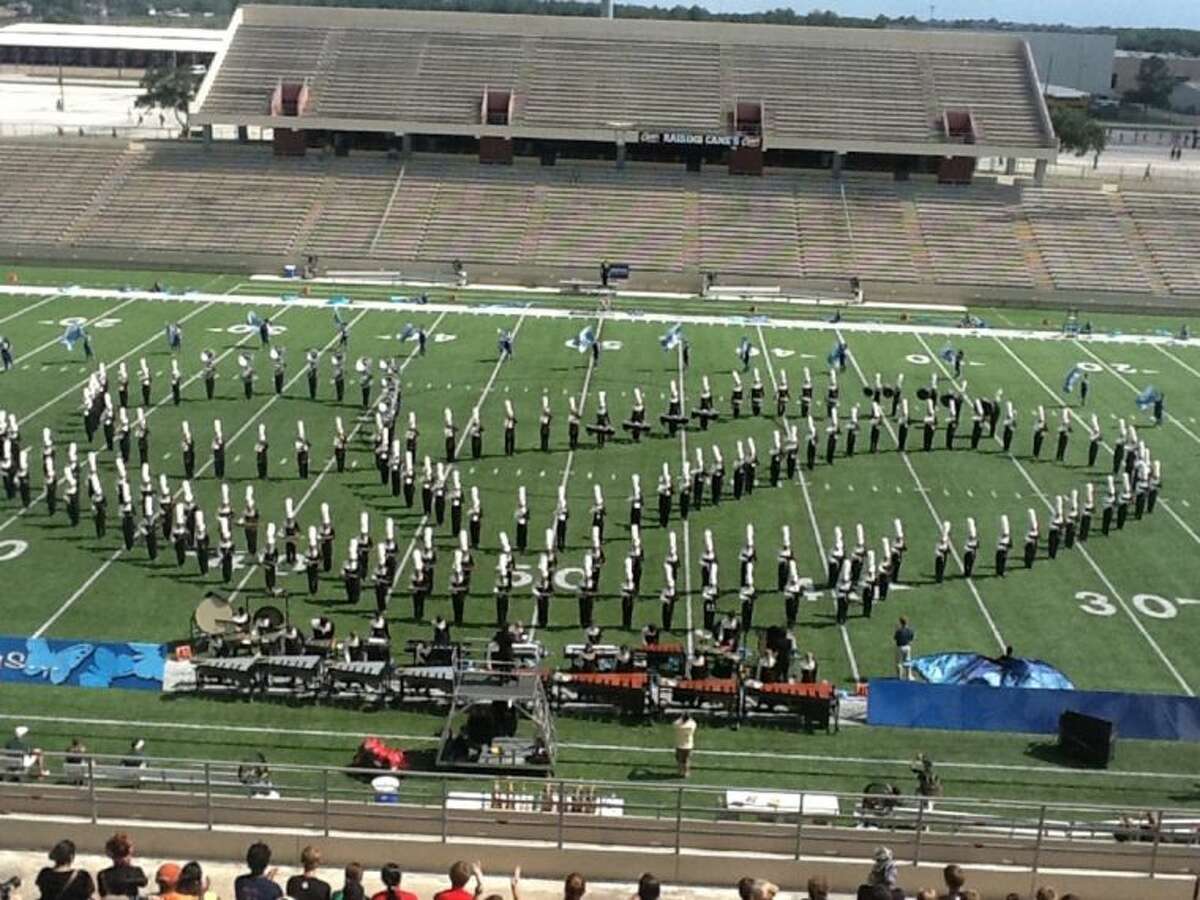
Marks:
<point>499,721</point>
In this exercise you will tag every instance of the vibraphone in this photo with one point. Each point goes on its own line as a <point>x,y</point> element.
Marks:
<point>424,680</point>
<point>357,677</point>
<point>624,690</point>
<point>238,673</point>
<point>815,703</point>
<point>291,672</point>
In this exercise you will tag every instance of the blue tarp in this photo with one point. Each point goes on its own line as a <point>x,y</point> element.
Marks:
<point>975,668</point>
<point>978,707</point>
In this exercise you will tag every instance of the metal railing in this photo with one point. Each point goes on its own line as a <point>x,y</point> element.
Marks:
<point>621,815</point>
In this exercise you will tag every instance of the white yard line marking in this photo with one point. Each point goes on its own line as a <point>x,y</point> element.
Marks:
<point>570,461</point>
<point>462,439</point>
<point>1129,384</point>
<point>1050,391</point>
<point>217,727</point>
<point>1158,651</point>
<point>812,518</point>
<point>70,601</point>
<point>50,343</point>
<point>1172,356</point>
<point>937,518</point>
<point>27,309</point>
<point>687,528</point>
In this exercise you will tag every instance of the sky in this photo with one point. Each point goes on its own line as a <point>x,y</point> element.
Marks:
<point>1084,13</point>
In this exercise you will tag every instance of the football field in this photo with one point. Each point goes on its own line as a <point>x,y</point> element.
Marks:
<point>1117,612</point>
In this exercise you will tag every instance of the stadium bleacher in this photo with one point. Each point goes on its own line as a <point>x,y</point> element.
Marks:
<point>436,208</point>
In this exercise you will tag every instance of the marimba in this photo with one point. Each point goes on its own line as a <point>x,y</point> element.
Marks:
<point>694,692</point>
<point>423,679</point>
<point>816,703</point>
<point>665,658</point>
<point>624,690</point>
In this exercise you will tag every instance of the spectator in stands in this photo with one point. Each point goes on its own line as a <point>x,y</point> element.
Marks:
<point>136,757</point>
<point>884,870</point>
<point>167,879</point>
<point>1012,895</point>
<point>63,881</point>
<point>648,888</point>
<point>970,894</point>
<point>20,754</point>
<point>763,890</point>
<point>927,894</point>
<point>818,888</point>
<point>460,874</point>
<point>1046,893</point>
<point>391,876</point>
<point>192,883</point>
<point>352,888</point>
<point>122,878</point>
<point>307,886</point>
<point>744,886</point>
<point>76,753</point>
<point>258,883</point>
<point>955,879</point>
<point>574,887</point>
<point>874,892</point>
<point>1070,897</point>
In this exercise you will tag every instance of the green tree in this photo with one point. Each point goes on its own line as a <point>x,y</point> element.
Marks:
<point>1078,132</point>
<point>169,87</point>
<point>1154,83</point>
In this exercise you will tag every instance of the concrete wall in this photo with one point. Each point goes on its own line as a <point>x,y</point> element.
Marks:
<point>1080,61</point>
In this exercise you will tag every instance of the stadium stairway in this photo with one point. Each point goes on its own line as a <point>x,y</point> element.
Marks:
<point>114,182</point>
<point>316,210</point>
<point>1136,243</point>
<point>1032,255</point>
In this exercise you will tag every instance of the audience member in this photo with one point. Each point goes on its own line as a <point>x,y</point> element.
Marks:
<point>167,881</point>
<point>391,876</point>
<point>21,754</point>
<point>352,888</point>
<point>955,879</point>
<point>744,886</point>
<point>258,883</point>
<point>884,870</point>
<point>1012,895</point>
<point>874,892</point>
<point>818,888</point>
<point>122,878</point>
<point>460,874</point>
<point>763,890</point>
<point>927,894</point>
<point>192,883</point>
<point>970,894</point>
<point>307,886</point>
<point>648,888</point>
<point>574,887</point>
<point>63,881</point>
<point>1046,893</point>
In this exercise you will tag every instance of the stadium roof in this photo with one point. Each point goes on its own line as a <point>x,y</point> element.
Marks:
<point>100,37</point>
<point>833,89</point>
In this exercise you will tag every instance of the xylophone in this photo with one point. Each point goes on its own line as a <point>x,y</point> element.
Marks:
<point>695,692</point>
<point>665,658</point>
<point>297,671</point>
<point>347,676</point>
<point>815,703</point>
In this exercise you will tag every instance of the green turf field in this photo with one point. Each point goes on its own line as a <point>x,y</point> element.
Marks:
<point>1116,613</point>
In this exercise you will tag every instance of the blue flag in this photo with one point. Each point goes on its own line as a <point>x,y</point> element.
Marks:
<point>1072,379</point>
<point>73,334</point>
<point>947,354</point>
<point>743,350</point>
<point>584,340</point>
<point>337,317</point>
<point>672,338</point>
<point>1148,397</point>
<point>837,356</point>
<point>407,331</point>
<point>253,319</point>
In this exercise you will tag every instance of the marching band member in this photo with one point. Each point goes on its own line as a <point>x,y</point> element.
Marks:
<point>303,446</point>
<point>249,522</point>
<point>1031,539</point>
<point>311,364</point>
<point>176,383</point>
<point>261,449</point>
<point>970,548</point>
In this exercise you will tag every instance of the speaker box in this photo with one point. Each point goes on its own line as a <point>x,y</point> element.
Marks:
<point>1088,739</point>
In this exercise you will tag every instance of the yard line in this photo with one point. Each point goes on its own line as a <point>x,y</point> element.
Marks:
<point>1158,651</point>
<point>154,337</point>
<point>1163,351</point>
<point>687,528</point>
<point>22,357</point>
<point>216,727</point>
<point>26,309</point>
<point>1129,384</point>
<point>41,496</point>
<point>70,601</point>
<point>812,519</point>
<point>937,518</point>
<point>332,459</point>
<point>583,393</point>
<point>462,439</point>
<point>1049,390</point>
